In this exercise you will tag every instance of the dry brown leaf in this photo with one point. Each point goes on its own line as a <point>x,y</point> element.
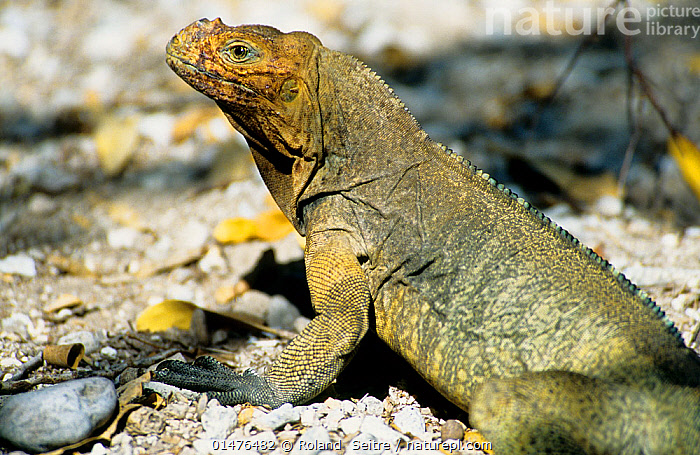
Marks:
<point>61,302</point>
<point>687,157</point>
<point>68,265</point>
<point>133,389</point>
<point>116,139</point>
<point>179,259</point>
<point>269,226</point>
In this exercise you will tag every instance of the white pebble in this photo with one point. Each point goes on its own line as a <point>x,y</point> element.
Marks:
<point>9,362</point>
<point>122,237</point>
<point>212,261</point>
<point>410,421</point>
<point>109,352</point>
<point>609,205</point>
<point>18,264</point>
<point>218,421</point>
<point>350,425</point>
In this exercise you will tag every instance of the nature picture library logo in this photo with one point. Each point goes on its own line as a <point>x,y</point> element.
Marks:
<point>662,19</point>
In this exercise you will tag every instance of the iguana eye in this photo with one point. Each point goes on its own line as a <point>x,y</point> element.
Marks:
<point>238,52</point>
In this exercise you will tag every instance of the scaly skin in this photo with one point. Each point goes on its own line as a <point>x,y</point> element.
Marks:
<point>507,315</point>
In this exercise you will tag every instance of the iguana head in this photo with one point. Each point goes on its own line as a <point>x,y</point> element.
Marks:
<point>265,82</point>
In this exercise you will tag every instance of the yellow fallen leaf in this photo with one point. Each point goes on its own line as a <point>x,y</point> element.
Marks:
<point>166,314</point>
<point>268,226</point>
<point>115,140</point>
<point>235,230</point>
<point>687,157</point>
<point>178,314</point>
<point>273,225</point>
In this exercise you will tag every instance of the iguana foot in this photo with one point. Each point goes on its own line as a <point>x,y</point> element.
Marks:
<point>208,375</point>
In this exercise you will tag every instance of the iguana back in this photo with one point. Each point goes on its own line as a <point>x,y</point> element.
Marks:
<point>506,314</point>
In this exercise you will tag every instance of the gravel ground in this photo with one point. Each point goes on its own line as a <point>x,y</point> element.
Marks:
<point>113,175</point>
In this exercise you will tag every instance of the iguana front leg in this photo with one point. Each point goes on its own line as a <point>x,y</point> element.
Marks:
<point>314,358</point>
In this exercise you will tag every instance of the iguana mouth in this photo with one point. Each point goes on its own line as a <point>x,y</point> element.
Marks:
<point>189,71</point>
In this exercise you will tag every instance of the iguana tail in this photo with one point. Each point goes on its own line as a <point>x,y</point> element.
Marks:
<point>568,413</point>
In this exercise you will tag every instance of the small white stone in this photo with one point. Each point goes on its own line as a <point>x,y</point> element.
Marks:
<point>277,417</point>
<point>692,231</point>
<point>333,418</point>
<point>14,42</point>
<point>218,421</point>
<point>109,352</point>
<point>17,323</point>
<point>348,407</point>
<point>18,264</point>
<point>311,442</point>
<point>693,313</point>
<point>158,128</point>
<point>300,324</point>
<point>212,261</point>
<point>670,240</point>
<point>680,302</point>
<point>308,416</point>
<point>180,292</point>
<point>98,449</point>
<point>609,205</point>
<point>350,425</point>
<point>376,427</point>
<point>161,249</point>
<point>9,362</point>
<point>122,237</point>
<point>192,236</point>
<point>41,204</point>
<point>371,404</point>
<point>410,421</point>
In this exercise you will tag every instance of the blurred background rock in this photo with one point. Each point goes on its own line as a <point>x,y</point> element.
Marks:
<point>88,104</point>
